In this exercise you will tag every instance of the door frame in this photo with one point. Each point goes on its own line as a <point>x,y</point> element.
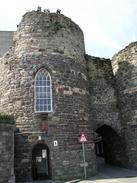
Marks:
<point>35,147</point>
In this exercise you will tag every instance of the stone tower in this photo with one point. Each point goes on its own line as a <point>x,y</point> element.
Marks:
<point>51,46</point>
<point>124,66</point>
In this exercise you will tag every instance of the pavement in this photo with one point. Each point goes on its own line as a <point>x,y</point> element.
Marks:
<point>106,174</point>
<point>112,174</point>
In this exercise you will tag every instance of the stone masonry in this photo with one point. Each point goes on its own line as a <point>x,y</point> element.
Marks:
<point>124,66</point>
<point>55,43</point>
<point>6,40</point>
<point>6,152</point>
<point>91,95</point>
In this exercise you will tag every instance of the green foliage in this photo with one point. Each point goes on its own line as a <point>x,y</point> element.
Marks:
<point>5,117</point>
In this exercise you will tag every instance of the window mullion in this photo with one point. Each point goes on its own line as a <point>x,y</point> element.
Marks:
<point>43,92</point>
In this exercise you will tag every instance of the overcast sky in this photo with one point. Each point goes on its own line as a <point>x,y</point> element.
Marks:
<point>108,25</point>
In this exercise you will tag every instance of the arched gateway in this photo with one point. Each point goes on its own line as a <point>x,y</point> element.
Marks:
<point>110,146</point>
<point>40,162</point>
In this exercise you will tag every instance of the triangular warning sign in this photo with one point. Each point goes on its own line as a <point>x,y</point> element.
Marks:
<point>83,138</point>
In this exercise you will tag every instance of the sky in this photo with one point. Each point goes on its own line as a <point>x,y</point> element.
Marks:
<point>108,25</point>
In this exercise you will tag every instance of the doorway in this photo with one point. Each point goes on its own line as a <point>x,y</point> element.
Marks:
<point>40,162</point>
<point>110,147</point>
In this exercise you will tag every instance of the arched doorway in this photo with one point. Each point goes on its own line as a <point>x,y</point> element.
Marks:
<point>110,146</point>
<point>40,162</point>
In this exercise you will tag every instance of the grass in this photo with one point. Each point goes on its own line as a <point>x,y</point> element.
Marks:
<point>4,117</point>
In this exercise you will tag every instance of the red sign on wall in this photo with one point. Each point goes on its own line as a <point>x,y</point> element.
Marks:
<point>83,138</point>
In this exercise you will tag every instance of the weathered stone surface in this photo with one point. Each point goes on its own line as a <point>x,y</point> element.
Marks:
<point>104,111</point>
<point>102,93</point>
<point>124,66</point>
<point>6,41</point>
<point>6,152</point>
<point>49,34</point>
<point>91,95</point>
<point>55,43</point>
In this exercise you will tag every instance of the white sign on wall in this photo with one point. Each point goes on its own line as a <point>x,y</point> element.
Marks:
<point>44,153</point>
<point>55,143</point>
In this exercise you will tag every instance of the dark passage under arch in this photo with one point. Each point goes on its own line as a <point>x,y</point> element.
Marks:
<point>110,146</point>
<point>40,162</point>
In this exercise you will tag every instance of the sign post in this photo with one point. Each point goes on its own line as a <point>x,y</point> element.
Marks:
<point>83,140</point>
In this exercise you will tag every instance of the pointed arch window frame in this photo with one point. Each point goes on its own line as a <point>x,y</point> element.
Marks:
<point>43,92</point>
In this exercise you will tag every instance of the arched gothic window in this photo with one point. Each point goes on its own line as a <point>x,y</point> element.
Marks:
<point>43,92</point>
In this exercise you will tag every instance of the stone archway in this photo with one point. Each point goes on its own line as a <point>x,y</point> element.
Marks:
<point>40,162</point>
<point>110,146</point>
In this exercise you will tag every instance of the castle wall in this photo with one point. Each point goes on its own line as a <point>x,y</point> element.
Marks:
<point>38,44</point>
<point>6,40</point>
<point>124,66</point>
<point>104,111</point>
<point>90,94</point>
<point>50,34</point>
<point>6,152</point>
<point>104,108</point>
